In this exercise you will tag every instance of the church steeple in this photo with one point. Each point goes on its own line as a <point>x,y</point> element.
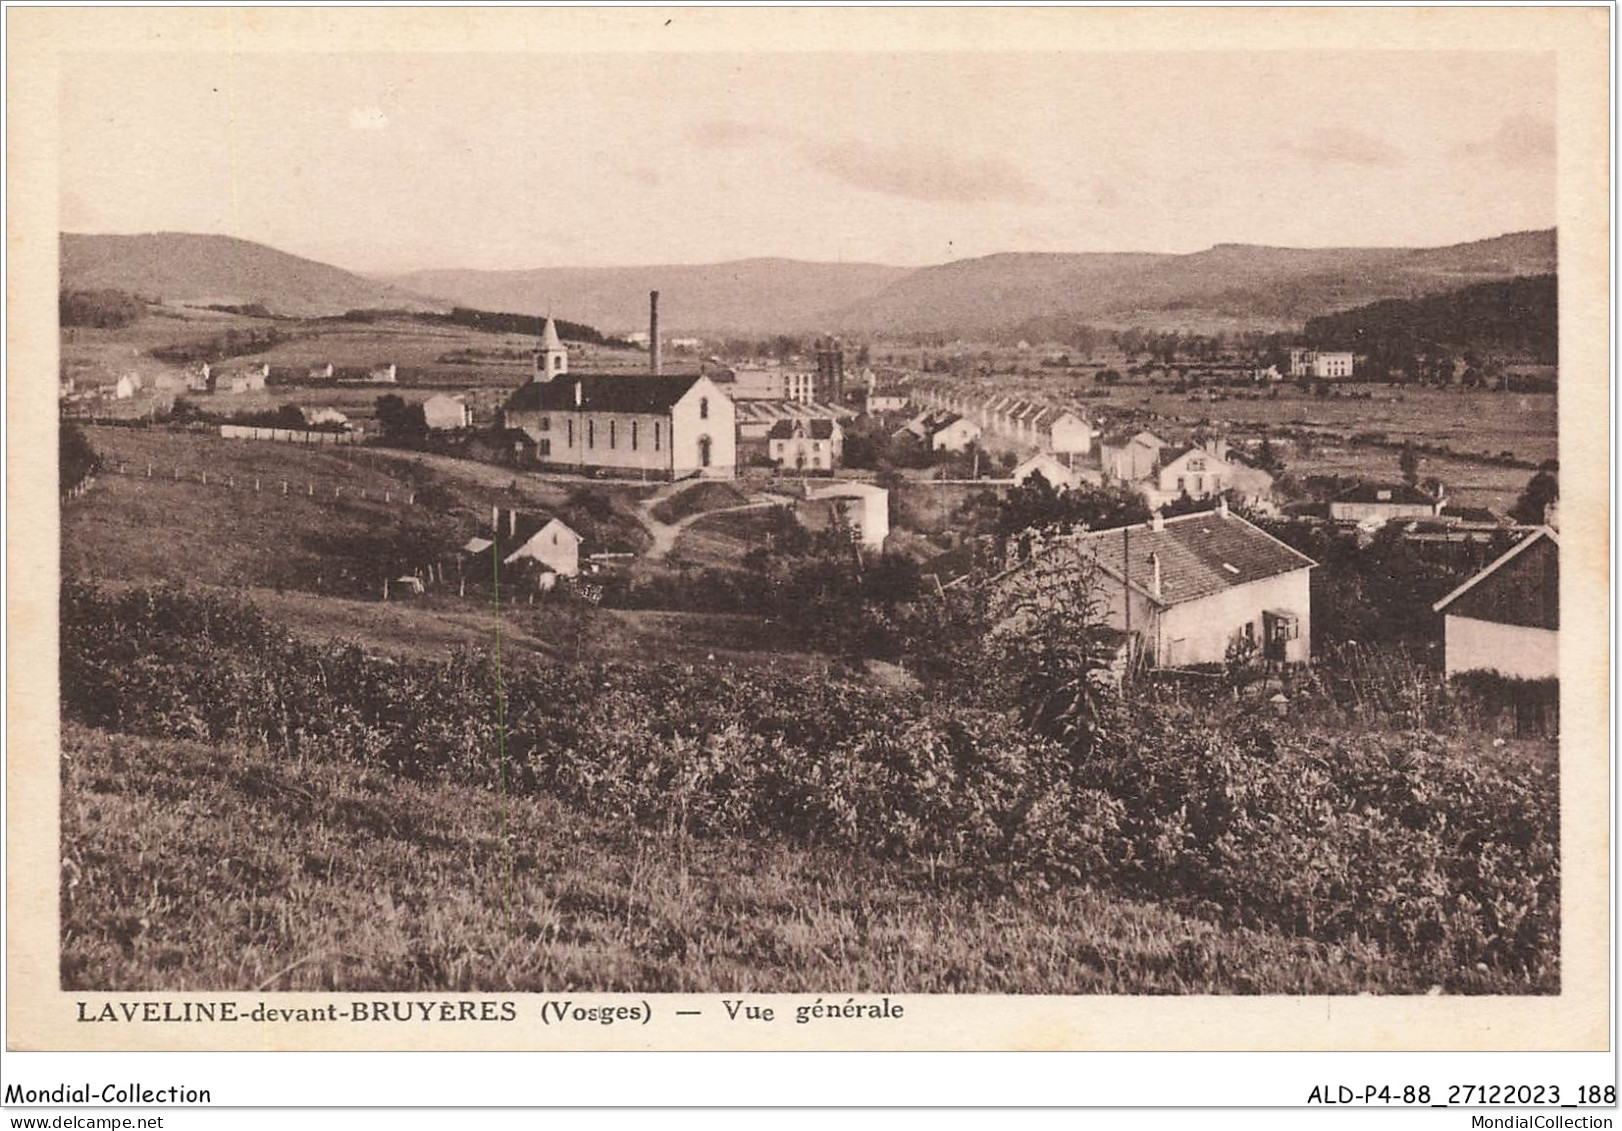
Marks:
<point>551,358</point>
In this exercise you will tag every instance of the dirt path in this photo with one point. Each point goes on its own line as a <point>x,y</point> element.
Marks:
<point>664,534</point>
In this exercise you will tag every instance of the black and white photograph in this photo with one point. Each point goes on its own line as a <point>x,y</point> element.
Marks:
<point>823,533</point>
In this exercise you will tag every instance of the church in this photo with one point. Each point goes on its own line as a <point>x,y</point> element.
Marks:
<point>641,424</point>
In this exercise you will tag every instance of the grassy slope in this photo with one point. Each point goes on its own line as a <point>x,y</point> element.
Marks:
<point>190,866</point>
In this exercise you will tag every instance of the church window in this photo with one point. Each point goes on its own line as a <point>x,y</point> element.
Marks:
<point>703,408</point>
<point>571,433</point>
<point>613,433</point>
<point>633,435</point>
<point>591,433</point>
<point>656,435</point>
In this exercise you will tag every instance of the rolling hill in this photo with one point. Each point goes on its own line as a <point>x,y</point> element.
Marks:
<point>1239,284</point>
<point>205,269</point>
<point>1229,284</point>
<point>747,296</point>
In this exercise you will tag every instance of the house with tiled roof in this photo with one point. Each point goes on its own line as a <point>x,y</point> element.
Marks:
<point>647,424</point>
<point>1197,589</point>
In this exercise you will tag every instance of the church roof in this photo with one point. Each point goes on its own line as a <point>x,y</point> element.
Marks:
<point>549,336</point>
<point>603,392</point>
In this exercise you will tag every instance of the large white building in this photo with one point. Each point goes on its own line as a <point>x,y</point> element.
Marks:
<point>634,424</point>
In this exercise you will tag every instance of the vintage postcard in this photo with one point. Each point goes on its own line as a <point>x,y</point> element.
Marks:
<point>808,529</point>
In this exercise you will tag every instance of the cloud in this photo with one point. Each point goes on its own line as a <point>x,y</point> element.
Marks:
<point>923,173</point>
<point>1345,145</point>
<point>643,175</point>
<point>1521,140</point>
<point>367,118</point>
<point>727,133</point>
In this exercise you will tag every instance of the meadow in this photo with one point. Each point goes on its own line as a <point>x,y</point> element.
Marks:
<point>336,819</point>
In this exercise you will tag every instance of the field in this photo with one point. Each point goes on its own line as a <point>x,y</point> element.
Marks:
<point>240,808</point>
<point>354,880</point>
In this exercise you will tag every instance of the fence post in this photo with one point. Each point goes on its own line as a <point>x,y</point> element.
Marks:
<point>411,498</point>
<point>385,589</point>
<point>312,490</point>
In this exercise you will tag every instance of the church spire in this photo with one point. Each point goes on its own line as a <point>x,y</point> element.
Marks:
<point>551,358</point>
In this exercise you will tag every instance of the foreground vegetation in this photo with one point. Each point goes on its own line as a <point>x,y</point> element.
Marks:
<point>1279,857</point>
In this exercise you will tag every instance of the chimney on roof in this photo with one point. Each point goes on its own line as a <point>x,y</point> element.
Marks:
<point>578,396</point>
<point>495,518</point>
<point>653,330</point>
<point>1157,522</point>
<point>1222,506</point>
<point>512,523</point>
<point>1154,564</point>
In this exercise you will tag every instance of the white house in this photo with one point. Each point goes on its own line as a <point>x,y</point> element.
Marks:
<point>1069,434</point>
<point>1198,589</point>
<point>942,431</point>
<point>806,444</point>
<point>530,542</point>
<point>863,507</point>
<point>1199,473</point>
<point>1507,617</point>
<point>446,413</point>
<point>1129,460</point>
<point>644,423</point>
<point>1320,363</point>
<point>1384,502</point>
<point>1050,468</point>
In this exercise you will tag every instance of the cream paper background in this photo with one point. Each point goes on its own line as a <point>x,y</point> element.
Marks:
<point>41,1017</point>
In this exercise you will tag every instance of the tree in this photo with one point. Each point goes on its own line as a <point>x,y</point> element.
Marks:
<point>401,423</point>
<point>1531,508</point>
<point>1050,648</point>
<point>76,459</point>
<point>1267,457</point>
<point>1409,463</point>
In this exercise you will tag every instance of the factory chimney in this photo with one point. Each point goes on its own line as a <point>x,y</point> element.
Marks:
<point>653,330</point>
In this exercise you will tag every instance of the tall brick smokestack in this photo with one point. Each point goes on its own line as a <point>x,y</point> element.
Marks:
<point>653,330</point>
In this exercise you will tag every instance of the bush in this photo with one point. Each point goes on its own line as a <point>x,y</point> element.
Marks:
<point>1441,856</point>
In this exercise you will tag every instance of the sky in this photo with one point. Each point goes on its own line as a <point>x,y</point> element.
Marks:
<point>391,162</point>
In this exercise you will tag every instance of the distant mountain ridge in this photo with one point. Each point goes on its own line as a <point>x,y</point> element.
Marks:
<point>745,296</point>
<point>192,268</point>
<point>1238,285</point>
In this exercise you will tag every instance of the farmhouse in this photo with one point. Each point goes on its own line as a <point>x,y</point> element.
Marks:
<point>862,507</point>
<point>535,544</point>
<point>1199,588</point>
<point>1129,459</point>
<point>1507,617</point>
<point>1050,468</point>
<point>941,431</point>
<point>1069,434</point>
<point>1382,502</point>
<point>446,413</point>
<point>644,423</point>
<point>806,444</point>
